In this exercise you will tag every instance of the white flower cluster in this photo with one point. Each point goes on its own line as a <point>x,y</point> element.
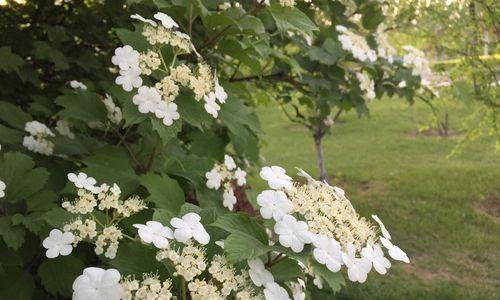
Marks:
<point>226,175</point>
<point>2,189</point>
<point>355,44</point>
<point>105,236</point>
<point>98,284</point>
<point>416,60</point>
<point>367,85</point>
<point>150,288</point>
<point>37,140</point>
<point>385,49</point>
<point>159,99</point>
<point>77,85</point>
<point>63,128</point>
<point>114,115</point>
<point>262,277</point>
<point>338,234</point>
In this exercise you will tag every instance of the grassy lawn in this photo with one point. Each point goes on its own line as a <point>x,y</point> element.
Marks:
<point>443,212</point>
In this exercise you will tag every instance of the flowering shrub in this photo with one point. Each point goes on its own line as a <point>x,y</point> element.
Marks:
<point>123,167</point>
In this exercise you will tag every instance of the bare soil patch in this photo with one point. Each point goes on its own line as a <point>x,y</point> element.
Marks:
<point>489,206</point>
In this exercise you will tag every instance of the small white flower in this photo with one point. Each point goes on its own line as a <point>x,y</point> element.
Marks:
<point>167,112</point>
<point>190,227</point>
<point>276,177</point>
<point>165,20</point>
<point>229,200</point>
<point>115,190</point>
<point>258,272</point>
<point>317,282</point>
<point>2,189</point>
<point>154,232</point>
<point>82,181</point>
<point>214,179</point>
<point>274,291</point>
<point>219,92</point>
<point>240,176</point>
<point>327,252</point>
<point>62,127</point>
<point>376,256</point>
<point>210,105</point>
<point>141,18</point>
<point>339,191</point>
<point>274,204</point>
<point>385,233</point>
<point>129,79</point>
<point>125,57</point>
<point>147,98</point>
<point>98,284</point>
<point>402,84</point>
<point>220,243</point>
<point>298,290</point>
<point>292,233</point>
<point>394,251</point>
<point>308,177</point>
<point>357,268</point>
<point>58,243</point>
<point>77,85</point>
<point>36,128</point>
<point>229,162</point>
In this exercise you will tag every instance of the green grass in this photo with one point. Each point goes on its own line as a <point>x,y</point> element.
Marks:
<point>428,202</point>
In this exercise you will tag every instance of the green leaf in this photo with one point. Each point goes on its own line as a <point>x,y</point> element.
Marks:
<point>165,132</point>
<point>84,106</point>
<point>334,280</point>
<point>251,24</point>
<point>163,215</point>
<point>13,236</point>
<point>243,224</point>
<point>132,38</point>
<point>42,50</point>
<point>287,270</point>
<point>13,115</point>
<point>208,144</point>
<point>372,16</point>
<point>57,217</point>
<point>10,136</point>
<point>217,19</point>
<point>21,180</point>
<point>111,165</point>
<point>136,259</point>
<point>10,62</point>
<point>192,112</point>
<point>164,192</point>
<point>239,246</point>
<point>16,284</point>
<point>57,275</point>
<point>291,18</point>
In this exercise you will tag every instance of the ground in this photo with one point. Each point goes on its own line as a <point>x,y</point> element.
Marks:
<point>443,211</point>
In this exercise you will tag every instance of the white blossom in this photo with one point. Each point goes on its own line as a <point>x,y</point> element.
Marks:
<point>402,84</point>
<point>219,92</point>
<point>357,268</point>
<point>167,112</point>
<point>36,128</point>
<point>367,85</point>
<point>229,199</point>
<point>147,99</point>
<point>38,145</point>
<point>141,18</point>
<point>376,256</point>
<point>385,233</point>
<point>154,232</point>
<point>165,20</point>
<point>292,233</point>
<point>58,243</point>
<point>229,162</point>
<point>2,189</point>
<point>327,252</point>
<point>274,204</point>
<point>114,112</point>
<point>214,179</point>
<point>188,227</point>
<point>274,291</point>
<point>355,44</point>
<point>98,284</point>
<point>258,272</point>
<point>62,127</point>
<point>210,105</point>
<point>394,251</point>
<point>82,181</point>
<point>276,177</point>
<point>125,57</point>
<point>240,176</point>
<point>77,85</point>
<point>129,79</point>
<point>298,290</point>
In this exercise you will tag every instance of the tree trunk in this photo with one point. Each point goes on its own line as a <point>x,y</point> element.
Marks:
<point>323,175</point>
